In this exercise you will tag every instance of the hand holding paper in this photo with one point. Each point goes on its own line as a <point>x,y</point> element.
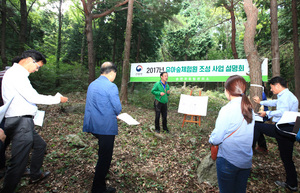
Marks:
<point>127,119</point>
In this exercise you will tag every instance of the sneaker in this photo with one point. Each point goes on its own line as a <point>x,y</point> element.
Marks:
<point>41,177</point>
<point>285,185</point>
<point>110,190</point>
<point>157,131</point>
<point>262,150</point>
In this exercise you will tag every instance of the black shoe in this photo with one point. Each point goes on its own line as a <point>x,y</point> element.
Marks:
<point>157,130</point>
<point>166,130</point>
<point>26,173</point>
<point>285,185</point>
<point>41,177</point>
<point>110,190</point>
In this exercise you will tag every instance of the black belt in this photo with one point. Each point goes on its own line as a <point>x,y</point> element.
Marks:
<point>27,116</point>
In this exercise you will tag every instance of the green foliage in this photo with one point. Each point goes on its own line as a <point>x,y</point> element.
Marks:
<point>73,78</point>
<point>184,36</point>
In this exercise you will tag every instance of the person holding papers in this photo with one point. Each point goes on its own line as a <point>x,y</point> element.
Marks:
<point>19,125</point>
<point>100,118</point>
<point>234,134</point>
<point>161,91</point>
<point>286,101</point>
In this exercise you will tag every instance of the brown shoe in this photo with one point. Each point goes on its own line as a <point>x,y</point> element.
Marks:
<point>41,177</point>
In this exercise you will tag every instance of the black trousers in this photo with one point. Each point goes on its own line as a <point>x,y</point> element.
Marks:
<point>105,152</point>
<point>3,147</point>
<point>2,153</point>
<point>23,138</point>
<point>160,108</point>
<point>285,146</point>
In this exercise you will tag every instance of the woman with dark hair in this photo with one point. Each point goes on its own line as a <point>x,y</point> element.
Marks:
<point>234,134</point>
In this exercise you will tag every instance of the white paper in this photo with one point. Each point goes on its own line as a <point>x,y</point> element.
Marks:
<point>258,118</point>
<point>193,105</point>
<point>128,119</point>
<point>39,118</point>
<point>4,108</point>
<point>288,117</point>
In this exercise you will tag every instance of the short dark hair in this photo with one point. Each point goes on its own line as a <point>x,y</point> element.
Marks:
<point>107,67</point>
<point>162,73</point>
<point>279,80</point>
<point>35,55</point>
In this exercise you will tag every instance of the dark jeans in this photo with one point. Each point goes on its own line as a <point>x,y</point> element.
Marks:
<point>160,108</point>
<point>23,138</point>
<point>285,146</point>
<point>231,179</point>
<point>105,152</point>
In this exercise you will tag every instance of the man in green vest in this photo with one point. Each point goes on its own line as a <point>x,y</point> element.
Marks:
<point>161,91</point>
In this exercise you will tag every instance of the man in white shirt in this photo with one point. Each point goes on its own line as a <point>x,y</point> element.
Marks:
<point>19,126</point>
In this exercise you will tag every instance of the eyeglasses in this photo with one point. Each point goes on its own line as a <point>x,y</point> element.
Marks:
<point>38,66</point>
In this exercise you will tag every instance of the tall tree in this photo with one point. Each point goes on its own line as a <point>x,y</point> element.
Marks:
<point>125,74</point>
<point>58,50</point>
<point>88,6</point>
<point>274,38</point>
<point>230,8</point>
<point>251,51</point>
<point>3,34</point>
<point>296,48</point>
<point>23,25</point>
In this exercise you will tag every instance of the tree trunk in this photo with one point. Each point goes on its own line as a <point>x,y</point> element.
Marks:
<point>137,56</point>
<point>125,74</point>
<point>90,44</point>
<point>251,51</point>
<point>274,39</point>
<point>3,35</point>
<point>296,49</point>
<point>233,29</point>
<point>23,26</point>
<point>89,16</point>
<point>58,43</point>
<point>82,48</point>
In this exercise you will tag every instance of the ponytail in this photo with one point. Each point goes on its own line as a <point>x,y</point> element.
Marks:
<point>236,85</point>
<point>246,107</point>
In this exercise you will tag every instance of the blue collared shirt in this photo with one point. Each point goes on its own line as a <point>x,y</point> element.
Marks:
<point>102,107</point>
<point>286,101</point>
<point>237,149</point>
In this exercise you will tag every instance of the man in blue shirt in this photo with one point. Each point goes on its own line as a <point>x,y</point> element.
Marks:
<point>286,101</point>
<point>101,110</point>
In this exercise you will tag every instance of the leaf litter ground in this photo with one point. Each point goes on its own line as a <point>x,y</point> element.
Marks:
<point>143,161</point>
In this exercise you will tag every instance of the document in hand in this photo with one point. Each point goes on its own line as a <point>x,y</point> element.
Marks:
<point>4,108</point>
<point>39,118</point>
<point>288,117</point>
<point>258,118</point>
<point>128,119</point>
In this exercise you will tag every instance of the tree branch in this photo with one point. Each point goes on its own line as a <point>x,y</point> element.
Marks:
<point>85,7</point>
<point>109,11</point>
